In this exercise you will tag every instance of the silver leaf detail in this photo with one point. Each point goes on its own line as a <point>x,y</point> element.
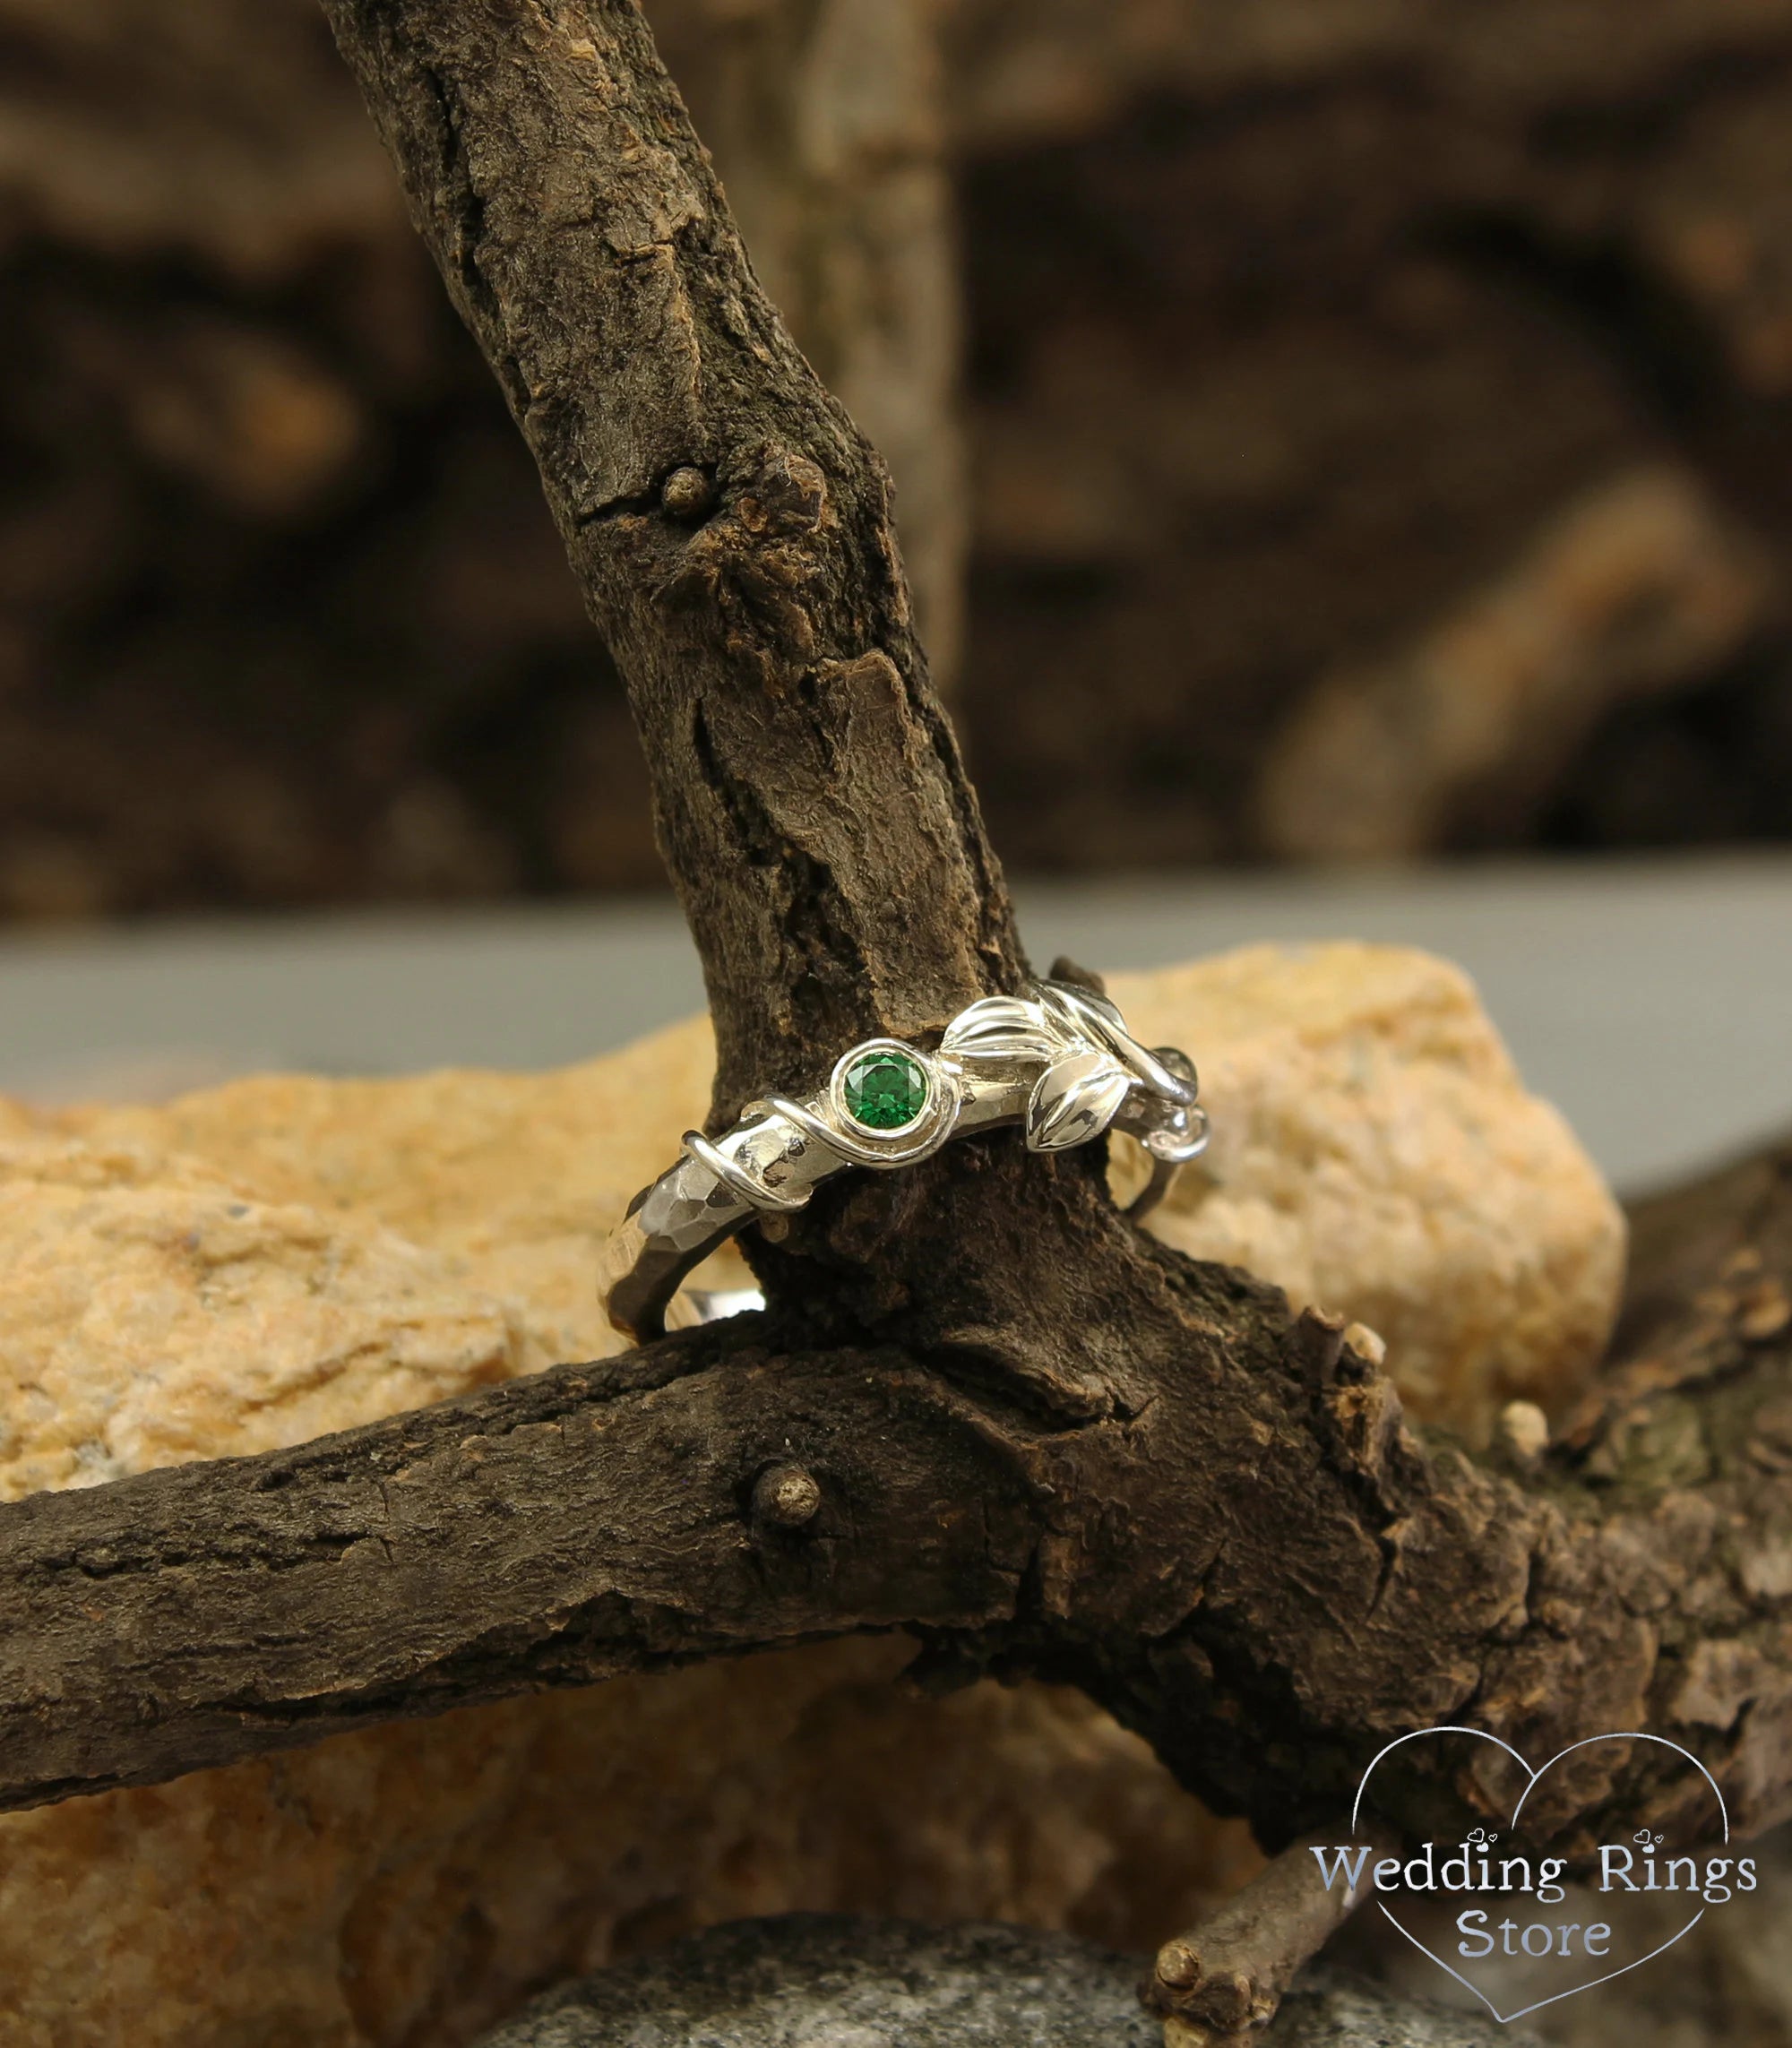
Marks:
<point>1002,1028</point>
<point>1095,1018</point>
<point>1072,996</point>
<point>1074,1101</point>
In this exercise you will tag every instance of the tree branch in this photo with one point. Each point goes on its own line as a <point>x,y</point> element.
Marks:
<point>984,1408</point>
<point>1254,1563</point>
<point>563,1528</point>
<point>729,527</point>
<point>1220,1986</point>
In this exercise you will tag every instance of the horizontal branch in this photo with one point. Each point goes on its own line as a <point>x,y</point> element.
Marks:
<point>1244,1553</point>
<point>559,1529</point>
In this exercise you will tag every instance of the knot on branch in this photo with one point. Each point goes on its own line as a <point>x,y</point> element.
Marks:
<point>760,565</point>
<point>788,496</point>
<point>687,494</point>
<point>786,1497</point>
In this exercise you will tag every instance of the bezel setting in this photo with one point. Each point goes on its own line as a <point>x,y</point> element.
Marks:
<point>893,1049</point>
<point>899,1144</point>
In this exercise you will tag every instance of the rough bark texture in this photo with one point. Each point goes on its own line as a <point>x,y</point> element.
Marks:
<point>1247,1557</point>
<point>1036,1439</point>
<point>731,530</point>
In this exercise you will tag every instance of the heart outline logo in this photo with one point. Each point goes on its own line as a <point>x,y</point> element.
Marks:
<point>1532,1780</point>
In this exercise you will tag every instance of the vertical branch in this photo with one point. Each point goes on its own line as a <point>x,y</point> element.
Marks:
<point>730,528</point>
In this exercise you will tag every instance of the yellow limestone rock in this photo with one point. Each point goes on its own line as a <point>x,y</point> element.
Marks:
<point>257,1263</point>
<point>154,1312</point>
<point>1375,1153</point>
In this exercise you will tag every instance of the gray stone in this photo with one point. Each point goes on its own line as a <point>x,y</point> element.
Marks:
<point>834,1981</point>
<point>1330,2009</point>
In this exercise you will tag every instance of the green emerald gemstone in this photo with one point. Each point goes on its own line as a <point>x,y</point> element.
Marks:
<point>885,1090</point>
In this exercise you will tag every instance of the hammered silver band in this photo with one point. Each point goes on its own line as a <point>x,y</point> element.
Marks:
<point>1058,1060</point>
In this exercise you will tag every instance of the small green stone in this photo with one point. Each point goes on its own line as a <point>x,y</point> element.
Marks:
<point>883,1090</point>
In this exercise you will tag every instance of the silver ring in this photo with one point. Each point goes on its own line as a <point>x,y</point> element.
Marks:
<point>1058,1060</point>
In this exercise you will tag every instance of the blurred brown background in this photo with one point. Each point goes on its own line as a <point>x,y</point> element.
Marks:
<point>1324,428</point>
